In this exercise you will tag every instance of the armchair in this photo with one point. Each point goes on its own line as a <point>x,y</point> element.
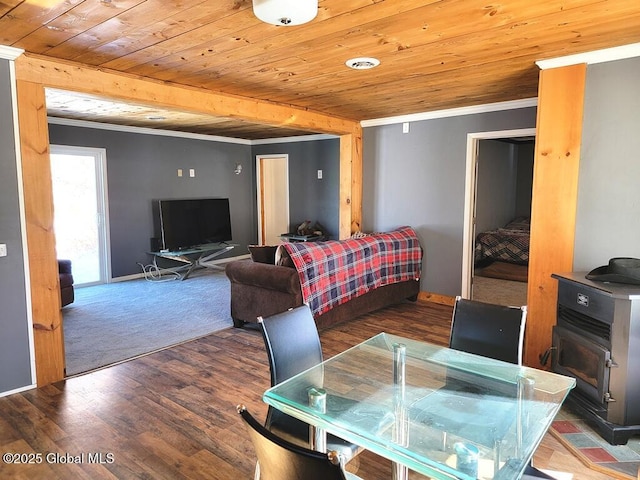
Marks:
<point>66,282</point>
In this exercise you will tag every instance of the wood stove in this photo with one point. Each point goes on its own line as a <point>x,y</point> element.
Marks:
<point>596,340</point>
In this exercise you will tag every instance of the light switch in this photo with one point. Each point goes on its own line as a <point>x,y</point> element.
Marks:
<point>3,249</point>
<point>179,172</point>
<point>192,172</point>
<point>319,174</point>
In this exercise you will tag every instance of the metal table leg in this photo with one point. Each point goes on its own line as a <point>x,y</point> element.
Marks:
<point>401,426</point>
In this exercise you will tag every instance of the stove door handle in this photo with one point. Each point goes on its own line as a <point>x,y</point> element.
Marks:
<point>545,356</point>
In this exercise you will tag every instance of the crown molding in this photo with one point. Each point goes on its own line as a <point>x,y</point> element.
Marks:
<point>10,53</point>
<point>596,56</point>
<point>452,112</point>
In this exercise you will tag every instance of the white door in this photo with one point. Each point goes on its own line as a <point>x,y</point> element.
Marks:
<point>273,197</point>
<point>80,216</point>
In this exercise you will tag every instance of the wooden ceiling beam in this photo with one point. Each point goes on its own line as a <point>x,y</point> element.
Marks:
<point>76,77</point>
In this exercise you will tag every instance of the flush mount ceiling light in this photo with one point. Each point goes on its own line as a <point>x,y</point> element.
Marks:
<point>285,12</point>
<point>362,63</point>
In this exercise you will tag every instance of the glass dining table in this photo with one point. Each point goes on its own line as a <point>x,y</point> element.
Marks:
<point>440,412</point>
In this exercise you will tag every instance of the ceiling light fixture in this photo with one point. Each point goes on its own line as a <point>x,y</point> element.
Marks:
<point>362,63</point>
<point>285,12</point>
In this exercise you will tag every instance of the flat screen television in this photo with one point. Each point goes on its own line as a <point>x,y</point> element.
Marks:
<point>186,223</point>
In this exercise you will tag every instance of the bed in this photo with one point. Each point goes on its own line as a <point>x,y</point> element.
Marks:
<point>507,244</point>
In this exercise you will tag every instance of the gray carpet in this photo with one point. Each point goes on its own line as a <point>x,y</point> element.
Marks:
<point>114,322</point>
<point>500,292</point>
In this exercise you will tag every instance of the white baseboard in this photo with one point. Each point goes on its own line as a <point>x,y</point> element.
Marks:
<point>18,390</point>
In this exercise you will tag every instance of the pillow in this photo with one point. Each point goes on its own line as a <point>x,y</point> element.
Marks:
<point>263,253</point>
<point>283,258</point>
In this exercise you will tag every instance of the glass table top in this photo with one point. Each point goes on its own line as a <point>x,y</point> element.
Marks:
<point>429,408</point>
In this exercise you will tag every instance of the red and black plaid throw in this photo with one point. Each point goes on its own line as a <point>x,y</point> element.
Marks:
<point>335,271</point>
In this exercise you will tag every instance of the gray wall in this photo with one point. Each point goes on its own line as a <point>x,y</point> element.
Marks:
<point>141,168</point>
<point>15,360</point>
<point>496,185</point>
<point>608,218</point>
<point>418,179</point>
<point>505,178</point>
<point>311,198</point>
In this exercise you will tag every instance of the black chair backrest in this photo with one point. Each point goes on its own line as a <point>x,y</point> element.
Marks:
<point>281,460</point>
<point>292,342</point>
<point>293,346</point>
<point>489,330</point>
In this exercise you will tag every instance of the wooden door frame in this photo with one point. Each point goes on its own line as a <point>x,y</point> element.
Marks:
<point>259,190</point>
<point>36,73</point>
<point>102,192</point>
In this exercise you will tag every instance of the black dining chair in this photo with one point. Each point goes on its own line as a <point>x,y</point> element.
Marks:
<point>488,330</point>
<point>493,331</point>
<point>282,460</point>
<point>293,346</point>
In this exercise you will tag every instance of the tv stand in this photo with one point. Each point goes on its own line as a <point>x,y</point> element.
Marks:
<point>194,257</point>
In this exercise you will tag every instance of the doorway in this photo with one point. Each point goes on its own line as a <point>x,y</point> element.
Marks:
<point>272,172</point>
<point>80,211</point>
<point>498,194</point>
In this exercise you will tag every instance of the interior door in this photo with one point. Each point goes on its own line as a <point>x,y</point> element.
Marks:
<point>273,197</point>
<point>80,219</point>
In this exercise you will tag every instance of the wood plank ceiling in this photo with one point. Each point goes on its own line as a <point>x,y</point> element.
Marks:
<point>433,54</point>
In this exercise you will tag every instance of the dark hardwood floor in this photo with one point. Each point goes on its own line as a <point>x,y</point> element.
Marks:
<point>172,414</point>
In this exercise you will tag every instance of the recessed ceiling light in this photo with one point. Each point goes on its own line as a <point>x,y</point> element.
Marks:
<point>156,117</point>
<point>362,63</point>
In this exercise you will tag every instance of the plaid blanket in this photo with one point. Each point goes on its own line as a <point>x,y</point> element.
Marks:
<point>503,244</point>
<point>335,271</point>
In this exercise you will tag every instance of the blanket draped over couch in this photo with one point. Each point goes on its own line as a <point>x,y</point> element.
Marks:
<point>339,279</point>
<point>334,272</point>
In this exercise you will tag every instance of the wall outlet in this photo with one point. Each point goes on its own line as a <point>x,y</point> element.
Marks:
<point>3,249</point>
<point>405,127</point>
<point>192,172</point>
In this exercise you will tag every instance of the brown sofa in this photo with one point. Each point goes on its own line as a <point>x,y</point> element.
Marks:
<point>261,289</point>
<point>264,287</point>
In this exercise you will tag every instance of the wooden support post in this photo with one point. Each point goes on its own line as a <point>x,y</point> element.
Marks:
<point>555,197</point>
<point>38,200</point>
